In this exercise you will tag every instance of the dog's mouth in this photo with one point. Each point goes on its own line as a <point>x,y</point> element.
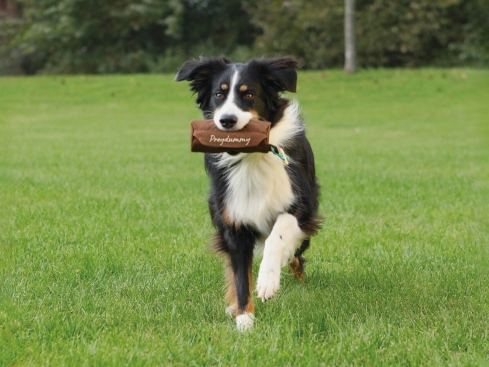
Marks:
<point>230,129</point>
<point>234,119</point>
<point>231,123</point>
<point>234,125</point>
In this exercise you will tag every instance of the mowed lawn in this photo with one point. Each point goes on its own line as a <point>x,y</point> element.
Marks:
<point>104,227</point>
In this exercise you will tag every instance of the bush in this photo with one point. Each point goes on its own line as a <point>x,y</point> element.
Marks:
<point>123,36</point>
<point>126,36</point>
<point>388,33</point>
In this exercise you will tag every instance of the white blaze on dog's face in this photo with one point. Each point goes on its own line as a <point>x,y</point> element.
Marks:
<point>233,100</point>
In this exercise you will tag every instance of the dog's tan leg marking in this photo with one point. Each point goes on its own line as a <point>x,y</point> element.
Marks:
<point>296,268</point>
<point>231,290</point>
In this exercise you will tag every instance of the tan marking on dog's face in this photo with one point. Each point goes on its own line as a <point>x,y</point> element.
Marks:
<point>243,88</point>
<point>224,86</point>
<point>255,114</point>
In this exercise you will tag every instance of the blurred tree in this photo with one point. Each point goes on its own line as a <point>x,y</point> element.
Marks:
<point>417,32</point>
<point>350,50</point>
<point>389,33</point>
<point>221,24</point>
<point>473,45</point>
<point>88,36</point>
<point>405,32</point>
<point>311,30</point>
<point>10,24</point>
<point>91,36</point>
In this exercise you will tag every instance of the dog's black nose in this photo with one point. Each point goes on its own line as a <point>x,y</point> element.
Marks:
<point>228,121</point>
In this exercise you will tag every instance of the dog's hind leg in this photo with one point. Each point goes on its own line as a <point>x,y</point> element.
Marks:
<point>280,247</point>
<point>297,265</point>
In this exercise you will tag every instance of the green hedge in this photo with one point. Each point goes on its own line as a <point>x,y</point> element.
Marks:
<point>122,36</point>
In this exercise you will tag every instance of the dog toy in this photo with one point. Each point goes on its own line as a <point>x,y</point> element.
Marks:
<point>206,137</point>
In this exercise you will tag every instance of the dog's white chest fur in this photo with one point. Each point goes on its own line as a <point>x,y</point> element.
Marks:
<point>259,190</point>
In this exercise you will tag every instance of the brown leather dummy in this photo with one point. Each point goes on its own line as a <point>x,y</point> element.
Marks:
<point>207,138</point>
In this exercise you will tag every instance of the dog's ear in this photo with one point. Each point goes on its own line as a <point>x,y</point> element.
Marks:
<point>200,74</point>
<point>279,73</point>
<point>200,71</point>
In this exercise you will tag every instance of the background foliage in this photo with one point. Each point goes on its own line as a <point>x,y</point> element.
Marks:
<point>88,36</point>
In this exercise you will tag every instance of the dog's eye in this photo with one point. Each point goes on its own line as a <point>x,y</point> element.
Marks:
<point>219,95</point>
<point>248,96</point>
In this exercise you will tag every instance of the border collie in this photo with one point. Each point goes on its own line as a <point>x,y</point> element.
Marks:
<point>257,203</point>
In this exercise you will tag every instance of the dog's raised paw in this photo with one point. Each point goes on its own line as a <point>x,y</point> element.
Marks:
<point>245,321</point>
<point>268,283</point>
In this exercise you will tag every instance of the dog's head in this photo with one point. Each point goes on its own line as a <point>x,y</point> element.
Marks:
<point>233,94</point>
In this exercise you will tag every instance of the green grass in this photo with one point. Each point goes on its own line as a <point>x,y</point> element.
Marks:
<point>104,227</point>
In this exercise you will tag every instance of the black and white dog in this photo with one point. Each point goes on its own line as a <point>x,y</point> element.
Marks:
<point>256,201</point>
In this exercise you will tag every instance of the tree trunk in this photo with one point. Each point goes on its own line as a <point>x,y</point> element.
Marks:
<point>350,36</point>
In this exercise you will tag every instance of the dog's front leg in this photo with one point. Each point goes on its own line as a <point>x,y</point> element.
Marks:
<point>240,256</point>
<point>280,247</point>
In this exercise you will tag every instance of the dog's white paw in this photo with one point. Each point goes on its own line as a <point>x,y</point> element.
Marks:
<point>268,282</point>
<point>245,321</point>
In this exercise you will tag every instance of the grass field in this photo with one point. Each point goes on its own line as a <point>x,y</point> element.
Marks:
<point>104,227</point>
